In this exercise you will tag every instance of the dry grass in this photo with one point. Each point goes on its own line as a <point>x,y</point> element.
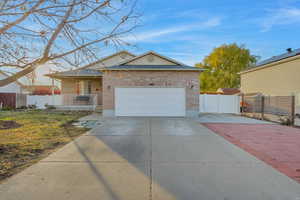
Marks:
<point>40,133</point>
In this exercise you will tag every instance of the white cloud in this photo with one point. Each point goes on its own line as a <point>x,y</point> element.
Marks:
<point>212,22</point>
<point>148,35</point>
<point>282,16</point>
<point>154,35</point>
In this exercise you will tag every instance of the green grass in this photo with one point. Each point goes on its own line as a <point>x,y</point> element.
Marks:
<point>40,133</point>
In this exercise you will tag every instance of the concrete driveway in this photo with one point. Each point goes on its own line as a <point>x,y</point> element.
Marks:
<point>150,159</point>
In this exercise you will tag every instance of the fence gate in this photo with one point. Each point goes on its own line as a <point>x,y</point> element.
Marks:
<point>219,103</point>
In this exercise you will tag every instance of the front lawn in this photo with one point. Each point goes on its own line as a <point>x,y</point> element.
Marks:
<point>28,136</point>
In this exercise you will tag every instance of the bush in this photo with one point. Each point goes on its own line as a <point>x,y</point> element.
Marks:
<point>7,108</point>
<point>22,107</point>
<point>287,121</point>
<point>50,107</point>
<point>33,106</point>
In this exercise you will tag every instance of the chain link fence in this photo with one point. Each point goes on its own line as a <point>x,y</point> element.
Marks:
<point>273,108</point>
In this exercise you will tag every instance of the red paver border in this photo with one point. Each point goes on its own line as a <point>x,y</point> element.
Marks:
<point>281,167</point>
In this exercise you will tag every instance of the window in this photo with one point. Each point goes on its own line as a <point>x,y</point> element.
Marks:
<point>89,87</point>
<point>85,87</point>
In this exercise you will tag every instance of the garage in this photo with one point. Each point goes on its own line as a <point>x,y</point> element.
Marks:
<point>151,85</point>
<point>150,102</point>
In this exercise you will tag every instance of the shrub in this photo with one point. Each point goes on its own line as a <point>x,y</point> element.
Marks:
<point>50,107</point>
<point>7,108</point>
<point>287,121</point>
<point>22,107</point>
<point>33,106</point>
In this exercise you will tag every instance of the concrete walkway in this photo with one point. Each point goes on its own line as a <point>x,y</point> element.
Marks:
<point>150,159</point>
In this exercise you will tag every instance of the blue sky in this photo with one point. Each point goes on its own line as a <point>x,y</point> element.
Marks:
<point>188,30</point>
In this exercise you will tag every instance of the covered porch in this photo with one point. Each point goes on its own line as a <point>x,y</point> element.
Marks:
<point>80,89</point>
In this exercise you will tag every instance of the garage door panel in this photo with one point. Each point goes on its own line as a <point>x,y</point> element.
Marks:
<point>150,101</point>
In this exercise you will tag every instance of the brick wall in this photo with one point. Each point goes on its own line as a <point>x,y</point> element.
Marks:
<point>69,90</point>
<point>188,80</point>
<point>68,86</point>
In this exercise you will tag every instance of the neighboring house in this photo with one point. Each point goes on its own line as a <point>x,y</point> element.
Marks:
<point>129,85</point>
<point>276,76</point>
<point>41,89</point>
<point>11,95</point>
<point>228,91</point>
<point>15,87</point>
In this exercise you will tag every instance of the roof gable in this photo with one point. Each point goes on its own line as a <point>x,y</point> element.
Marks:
<point>150,58</point>
<point>110,60</point>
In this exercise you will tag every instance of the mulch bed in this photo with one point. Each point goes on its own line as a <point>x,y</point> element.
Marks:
<point>8,124</point>
<point>276,145</point>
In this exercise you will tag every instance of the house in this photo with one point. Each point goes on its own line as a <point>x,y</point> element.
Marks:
<point>228,91</point>
<point>11,95</point>
<point>276,76</point>
<point>41,89</point>
<point>128,85</point>
<point>15,87</point>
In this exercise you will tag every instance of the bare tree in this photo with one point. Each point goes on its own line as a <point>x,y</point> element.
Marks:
<point>70,32</point>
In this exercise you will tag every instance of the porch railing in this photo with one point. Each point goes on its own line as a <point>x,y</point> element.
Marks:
<point>74,99</point>
<point>65,100</point>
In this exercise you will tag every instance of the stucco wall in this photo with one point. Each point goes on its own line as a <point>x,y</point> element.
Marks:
<point>281,79</point>
<point>188,80</point>
<point>150,59</point>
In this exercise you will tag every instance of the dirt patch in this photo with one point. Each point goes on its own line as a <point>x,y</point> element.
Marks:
<point>8,124</point>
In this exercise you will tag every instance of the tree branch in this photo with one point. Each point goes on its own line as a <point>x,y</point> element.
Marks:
<point>26,70</point>
<point>19,20</point>
<point>58,30</point>
<point>105,3</point>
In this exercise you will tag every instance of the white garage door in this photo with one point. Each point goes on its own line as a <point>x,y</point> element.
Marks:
<point>150,101</point>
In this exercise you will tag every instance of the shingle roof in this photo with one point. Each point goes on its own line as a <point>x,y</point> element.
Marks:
<point>229,91</point>
<point>273,59</point>
<point>279,57</point>
<point>77,73</point>
<point>153,67</point>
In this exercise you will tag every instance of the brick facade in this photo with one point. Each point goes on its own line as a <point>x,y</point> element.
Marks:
<point>180,79</point>
<point>69,88</point>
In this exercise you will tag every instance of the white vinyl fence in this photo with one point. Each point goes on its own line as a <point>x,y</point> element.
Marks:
<point>41,100</point>
<point>210,103</point>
